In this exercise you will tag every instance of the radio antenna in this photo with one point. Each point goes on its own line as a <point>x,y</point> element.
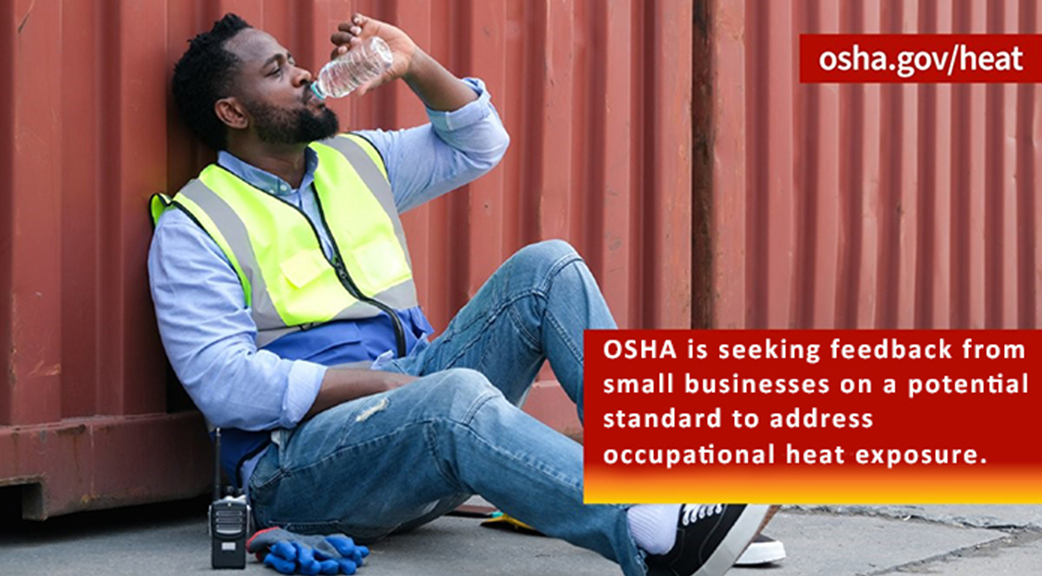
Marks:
<point>217,465</point>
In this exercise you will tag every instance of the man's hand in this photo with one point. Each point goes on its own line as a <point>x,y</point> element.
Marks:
<point>436,87</point>
<point>350,35</point>
<point>343,385</point>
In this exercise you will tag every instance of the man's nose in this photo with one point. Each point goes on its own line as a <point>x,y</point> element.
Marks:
<point>302,77</point>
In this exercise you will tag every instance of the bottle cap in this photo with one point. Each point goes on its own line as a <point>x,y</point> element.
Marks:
<point>317,91</point>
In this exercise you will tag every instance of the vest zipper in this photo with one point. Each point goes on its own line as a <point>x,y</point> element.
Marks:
<point>349,283</point>
<point>341,271</point>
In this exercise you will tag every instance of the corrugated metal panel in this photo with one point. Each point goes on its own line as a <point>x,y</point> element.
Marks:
<point>867,206</point>
<point>597,97</point>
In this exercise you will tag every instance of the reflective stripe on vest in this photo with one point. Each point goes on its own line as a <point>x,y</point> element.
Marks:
<point>287,280</point>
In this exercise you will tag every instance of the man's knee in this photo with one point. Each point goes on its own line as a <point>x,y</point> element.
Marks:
<point>461,391</point>
<point>540,262</point>
<point>547,252</point>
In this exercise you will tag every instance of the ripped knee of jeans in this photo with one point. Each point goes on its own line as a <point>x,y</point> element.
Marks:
<point>378,407</point>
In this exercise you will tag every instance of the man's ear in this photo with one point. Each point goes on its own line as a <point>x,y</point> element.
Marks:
<point>231,112</point>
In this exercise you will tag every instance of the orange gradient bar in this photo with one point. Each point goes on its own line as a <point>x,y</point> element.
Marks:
<point>821,486</point>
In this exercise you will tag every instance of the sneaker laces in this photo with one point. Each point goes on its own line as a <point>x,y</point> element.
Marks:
<point>691,513</point>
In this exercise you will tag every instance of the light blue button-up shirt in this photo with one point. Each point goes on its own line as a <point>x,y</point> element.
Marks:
<point>206,329</point>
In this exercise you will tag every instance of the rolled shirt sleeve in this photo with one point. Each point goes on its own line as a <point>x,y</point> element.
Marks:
<point>210,337</point>
<point>454,149</point>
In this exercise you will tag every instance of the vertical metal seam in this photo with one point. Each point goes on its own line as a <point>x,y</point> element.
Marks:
<point>649,247</point>
<point>536,16</point>
<point>851,172</point>
<point>110,282</point>
<point>757,135</point>
<point>959,159</point>
<point>596,148</point>
<point>994,202</point>
<point>888,280</point>
<point>703,138</point>
<point>1027,186</point>
<point>7,120</point>
<point>926,149</point>
<point>638,113</point>
<point>808,180</point>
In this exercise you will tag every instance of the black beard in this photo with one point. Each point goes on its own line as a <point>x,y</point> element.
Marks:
<point>277,126</point>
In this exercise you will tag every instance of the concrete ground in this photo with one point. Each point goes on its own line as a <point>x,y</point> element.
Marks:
<point>170,539</point>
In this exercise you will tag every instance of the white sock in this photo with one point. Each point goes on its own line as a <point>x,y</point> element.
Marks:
<point>654,526</point>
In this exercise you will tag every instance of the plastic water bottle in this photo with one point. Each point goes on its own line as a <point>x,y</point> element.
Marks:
<point>352,69</point>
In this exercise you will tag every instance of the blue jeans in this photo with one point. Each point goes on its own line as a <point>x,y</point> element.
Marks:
<point>393,461</point>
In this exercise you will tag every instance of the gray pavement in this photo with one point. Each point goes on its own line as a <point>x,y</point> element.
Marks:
<point>827,541</point>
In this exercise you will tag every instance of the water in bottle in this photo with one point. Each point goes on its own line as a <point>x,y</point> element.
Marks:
<point>352,69</point>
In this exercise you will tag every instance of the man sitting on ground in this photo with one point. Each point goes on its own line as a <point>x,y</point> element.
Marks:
<point>286,304</point>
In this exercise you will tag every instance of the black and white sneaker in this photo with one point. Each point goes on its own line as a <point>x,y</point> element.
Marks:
<point>762,550</point>
<point>710,537</point>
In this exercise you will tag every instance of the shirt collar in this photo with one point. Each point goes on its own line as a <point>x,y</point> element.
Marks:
<point>266,181</point>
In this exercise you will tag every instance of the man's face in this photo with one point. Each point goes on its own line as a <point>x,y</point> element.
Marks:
<point>274,92</point>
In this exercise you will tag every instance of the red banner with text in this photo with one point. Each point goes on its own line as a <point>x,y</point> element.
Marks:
<point>921,58</point>
<point>813,416</point>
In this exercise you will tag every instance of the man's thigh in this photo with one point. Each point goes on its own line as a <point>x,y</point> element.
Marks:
<point>368,466</point>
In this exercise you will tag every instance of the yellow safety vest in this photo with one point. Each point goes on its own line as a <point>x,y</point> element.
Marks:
<point>288,282</point>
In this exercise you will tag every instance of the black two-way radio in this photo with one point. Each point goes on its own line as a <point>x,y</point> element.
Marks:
<point>229,520</point>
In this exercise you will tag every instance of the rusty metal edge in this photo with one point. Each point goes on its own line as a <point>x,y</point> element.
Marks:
<point>102,484</point>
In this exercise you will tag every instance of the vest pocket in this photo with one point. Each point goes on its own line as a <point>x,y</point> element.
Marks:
<point>382,264</point>
<point>304,267</point>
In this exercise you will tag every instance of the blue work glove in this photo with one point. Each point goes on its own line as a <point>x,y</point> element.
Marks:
<point>291,553</point>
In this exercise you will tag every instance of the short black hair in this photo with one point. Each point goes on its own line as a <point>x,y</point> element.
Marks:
<point>203,76</point>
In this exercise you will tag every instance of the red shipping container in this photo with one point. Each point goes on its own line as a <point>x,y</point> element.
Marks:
<point>669,141</point>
